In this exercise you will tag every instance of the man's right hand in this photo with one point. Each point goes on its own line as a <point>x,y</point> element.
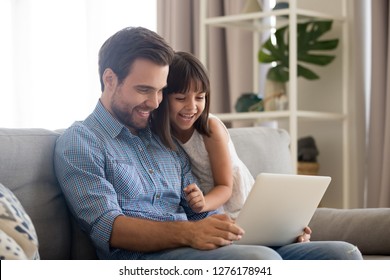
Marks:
<point>142,235</point>
<point>213,232</point>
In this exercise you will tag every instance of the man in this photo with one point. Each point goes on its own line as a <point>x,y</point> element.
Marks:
<point>126,188</point>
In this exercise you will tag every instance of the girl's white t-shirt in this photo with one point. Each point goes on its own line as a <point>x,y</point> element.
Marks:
<point>242,178</point>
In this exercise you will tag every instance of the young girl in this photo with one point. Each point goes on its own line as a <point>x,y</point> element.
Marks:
<point>184,114</point>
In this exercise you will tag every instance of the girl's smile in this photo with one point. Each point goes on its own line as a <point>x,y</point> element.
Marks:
<point>184,110</point>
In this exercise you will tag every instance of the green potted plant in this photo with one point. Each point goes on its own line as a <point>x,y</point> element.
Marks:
<point>310,50</point>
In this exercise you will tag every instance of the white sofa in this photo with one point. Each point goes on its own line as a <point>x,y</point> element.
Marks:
<point>26,168</point>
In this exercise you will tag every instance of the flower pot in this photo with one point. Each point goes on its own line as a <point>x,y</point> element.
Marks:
<point>275,96</point>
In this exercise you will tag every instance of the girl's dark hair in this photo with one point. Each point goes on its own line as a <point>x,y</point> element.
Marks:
<point>120,51</point>
<point>185,71</point>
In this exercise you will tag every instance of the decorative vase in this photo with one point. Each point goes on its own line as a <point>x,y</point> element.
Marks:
<point>275,96</point>
<point>248,102</point>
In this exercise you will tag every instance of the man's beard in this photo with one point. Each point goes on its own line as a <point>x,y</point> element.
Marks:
<point>126,117</point>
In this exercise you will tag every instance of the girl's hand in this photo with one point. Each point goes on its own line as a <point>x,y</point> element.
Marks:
<point>195,198</point>
<point>305,236</point>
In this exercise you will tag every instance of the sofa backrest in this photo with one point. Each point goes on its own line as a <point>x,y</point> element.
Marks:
<point>26,168</point>
<point>263,149</point>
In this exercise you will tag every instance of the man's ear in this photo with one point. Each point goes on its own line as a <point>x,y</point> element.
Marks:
<point>110,79</point>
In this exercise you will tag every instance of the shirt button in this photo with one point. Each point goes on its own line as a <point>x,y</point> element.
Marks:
<point>151,171</point>
<point>158,196</point>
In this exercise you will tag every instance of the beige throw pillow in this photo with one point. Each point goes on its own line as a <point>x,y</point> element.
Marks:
<point>18,239</point>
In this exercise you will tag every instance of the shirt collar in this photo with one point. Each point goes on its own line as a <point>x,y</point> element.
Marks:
<point>114,127</point>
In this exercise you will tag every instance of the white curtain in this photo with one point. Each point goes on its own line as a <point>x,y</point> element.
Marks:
<point>359,81</point>
<point>48,53</point>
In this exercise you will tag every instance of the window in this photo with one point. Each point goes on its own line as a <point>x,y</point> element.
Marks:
<point>49,55</point>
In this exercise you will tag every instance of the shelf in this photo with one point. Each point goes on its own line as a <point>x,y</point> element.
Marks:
<point>246,21</point>
<point>293,118</point>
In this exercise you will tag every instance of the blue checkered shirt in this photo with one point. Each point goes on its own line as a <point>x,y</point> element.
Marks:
<point>105,171</point>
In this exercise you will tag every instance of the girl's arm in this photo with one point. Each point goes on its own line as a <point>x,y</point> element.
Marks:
<point>221,165</point>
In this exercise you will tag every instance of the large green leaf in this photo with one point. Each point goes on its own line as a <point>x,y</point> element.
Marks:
<point>324,45</point>
<point>309,49</point>
<point>316,59</point>
<point>307,73</point>
<point>281,74</point>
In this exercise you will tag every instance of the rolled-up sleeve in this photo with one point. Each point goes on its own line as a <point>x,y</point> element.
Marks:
<point>79,163</point>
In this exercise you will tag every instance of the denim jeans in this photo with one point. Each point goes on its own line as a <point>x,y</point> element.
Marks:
<point>315,250</point>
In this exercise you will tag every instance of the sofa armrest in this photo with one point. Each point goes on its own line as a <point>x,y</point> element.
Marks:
<point>368,229</point>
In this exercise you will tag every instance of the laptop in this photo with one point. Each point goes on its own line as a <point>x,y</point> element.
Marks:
<point>279,207</point>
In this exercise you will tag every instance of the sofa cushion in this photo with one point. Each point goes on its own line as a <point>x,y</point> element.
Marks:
<point>18,239</point>
<point>263,149</point>
<point>368,228</point>
<point>26,168</point>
